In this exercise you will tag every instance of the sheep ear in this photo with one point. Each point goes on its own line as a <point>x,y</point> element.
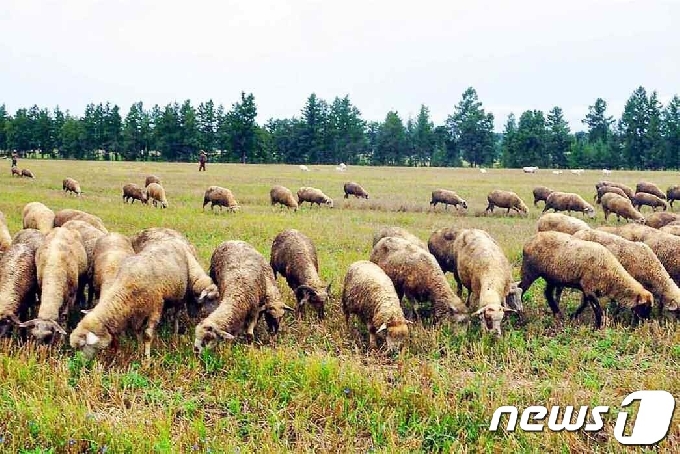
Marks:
<point>383,327</point>
<point>58,328</point>
<point>479,311</point>
<point>91,338</point>
<point>509,309</point>
<point>224,335</point>
<point>288,308</point>
<point>85,311</point>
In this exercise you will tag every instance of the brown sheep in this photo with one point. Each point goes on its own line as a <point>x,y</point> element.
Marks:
<point>61,267</point>
<point>416,275</point>
<point>154,235</point>
<point>27,173</point>
<point>355,189</point>
<point>30,237</point>
<point>673,228</point>
<point>673,194</point>
<point>602,190</point>
<point>16,171</point>
<point>369,294</point>
<point>132,192</point>
<point>89,236</point>
<point>151,179</point>
<point>568,201</point>
<point>650,188</point>
<point>294,257</point>
<point>661,218</point>
<point>621,207</point>
<point>486,273</point>
<point>5,237</point>
<point>222,197</point>
<point>38,216</point>
<point>282,195</point>
<point>71,185</point>
<point>505,199</point>
<point>440,246</point>
<point>641,263</point>
<point>248,290</point>
<point>626,189</point>
<point>156,193</point>
<point>541,193</point>
<point>565,261</point>
<point>398,232</point>
<point>313,195</point>
<point>645,198</point>
<point>109,252</point>
<point>559,222</point>
<point>447,198</point>
<point>63,216</point>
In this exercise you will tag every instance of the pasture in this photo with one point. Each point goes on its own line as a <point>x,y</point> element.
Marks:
<point>319,388</point>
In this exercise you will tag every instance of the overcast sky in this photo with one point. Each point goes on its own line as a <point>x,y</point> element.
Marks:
<point>386,55</point>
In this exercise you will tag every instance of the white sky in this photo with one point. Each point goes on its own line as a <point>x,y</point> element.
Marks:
<point>519,54</point>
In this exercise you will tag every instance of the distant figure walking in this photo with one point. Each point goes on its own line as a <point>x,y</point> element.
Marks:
<point>201,161</point>
<point>14,159</point>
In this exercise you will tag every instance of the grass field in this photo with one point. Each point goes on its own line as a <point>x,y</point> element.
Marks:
<point>319,389</point>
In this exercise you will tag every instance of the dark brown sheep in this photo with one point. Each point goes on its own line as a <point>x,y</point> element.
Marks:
<point>621,207</point>
<point>313,195</point>
<point>63,216</point>
<point>447,198</point>
<point>72,186</point>
<point>602,190</point>
<point>661,218</point>
<point>27,173</point>
<point>151,179</point>
<point>132,192</point>
<point>650,188</point>
<point>541,193</point>
<point>505,199</point>
<point>221,197</point>
<point>673,194</point>
<point>283,196</point>
<point>626,189</point>
<point>399,233</point>
<point>645,198</point>
<point>15,171</point>
<point>568,201</point>
<point>355,189</point>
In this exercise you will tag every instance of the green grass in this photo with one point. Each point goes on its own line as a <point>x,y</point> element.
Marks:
<point>318,389</point>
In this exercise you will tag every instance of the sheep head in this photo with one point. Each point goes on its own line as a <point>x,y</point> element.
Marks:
<point>307,295</point>
<point>89,342</point>
<point>492,316</point>
<point>43,330</point>
<point>396,333</point>
<point>514,298</point>
<point>208,334</point>
<point>589,211</point>
<point>640,301</point>
<point>274,310</point>
<point>209,295</point>
<point>464,204</point>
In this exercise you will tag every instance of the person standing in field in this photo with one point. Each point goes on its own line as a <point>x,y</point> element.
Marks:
<point>14,159</point>
<point>201,161</point>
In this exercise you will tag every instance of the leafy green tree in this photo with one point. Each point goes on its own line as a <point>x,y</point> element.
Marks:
<point>242,129</point>
<point>314,116</point>
<point>423,138</point>
<point>20,133</point>
<point>135,132</point>
<point>286,135</point>
<point>188,133</point>
<point>206,116</point>
<point>633,125</point>
<point>5,121</point>
<point>392,143</point>
<point>472,129</point>
<point>344,132</point>
<point>71,136</point>
<point>168,134</point>
<point>530,140</point>
<point>509,150</point>
<point>598,122</point>
<point>559,138</point>
<point>671,132</point>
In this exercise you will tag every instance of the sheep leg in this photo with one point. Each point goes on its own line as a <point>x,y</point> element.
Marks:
<point>549,290</point>
<point>250,330</point>
<point>582,306</point>
<point>459,283</point>
<point>507,212</point>
<point>372,341</point>
<point>595,304</point>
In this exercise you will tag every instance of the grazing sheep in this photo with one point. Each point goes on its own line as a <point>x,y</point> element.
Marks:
<point>61,266</point>
<point>313,195</point>
<point>151,179</point>
<point>673,228</point>
<point>89,236</point>
<point>621,207</point>
<point>71,185</point>
<point>577,171</point>
<point>532,169</point>
<point>369,294</point>
<point>568,201</point>
<point>132,192</point>
<point>355,189</point>
<point>505,199</point>
<point>661,218</point>
<point>565,261</point>
<point>154,235</point>
<point>18,283</point>
<point>606,172</point>
<point>63,216</point>
<point>399,233</point>
<point>645,198</point>
<point>416,275</point>
<point>222,197</point>
<point>447,198</point>
<point>641,263</point>
<point>157,195</point>
<point>109,252</point>
<point>282,195</point>
<point>482,170</point>
<point>27,173</point>
<point>541,193</point>
<point>38,216</point>
<point>440,245</point>
<point>31,237</point>
<point>304,168</point>
<point>5,237</point>
<point>15,171</point>
<point>558,222</point>
<point>650,188</point>
<point>294,257</point>
<point>673,194</point>
<point>602,190</point>
<point>248,290</point>
<point>626,189</point>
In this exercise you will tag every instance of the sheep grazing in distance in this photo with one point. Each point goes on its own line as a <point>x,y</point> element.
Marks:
<point>531,169</point>
<point>650,188</point>
<point>505,199</point>
<point>482,170</point>
<point>577,171</point>
<point>61,267</point>
<point>661,218</point>
<point>294,257</point>
<point>156,193</point>
<point>71,185</point>
<point>369,294</point>
<point>398,232</point>
<point>283,196</point>
<point>440,245</point>
<point>568,201</point>
<point>132,192</point>
<point>354,189</point>
<point>557,172</point>
<point>5,237</point>
<point>313,195</point>
<point>151,179</point>
<point>15,171</point>
<point>645,198</point>
<point>304,168</point>
<point>641,263</point>
<point>221,197</point>
<point>626,189</point>
<point>606,172</point>
<point>621,207</point>
<point>447,198</point>
<point>109,252</point>
<point>27,173</point>
<point>38,216</point>
<point>558,222</point>
<point>61,217</point>
<point>541,193</point>
<point>247,291</point>
<point>417,276</point>
<point>565,261</point>
<point>673,194</point>
<point>602,190</point>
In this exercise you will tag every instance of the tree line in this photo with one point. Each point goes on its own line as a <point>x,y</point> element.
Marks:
<point>647,136</point>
